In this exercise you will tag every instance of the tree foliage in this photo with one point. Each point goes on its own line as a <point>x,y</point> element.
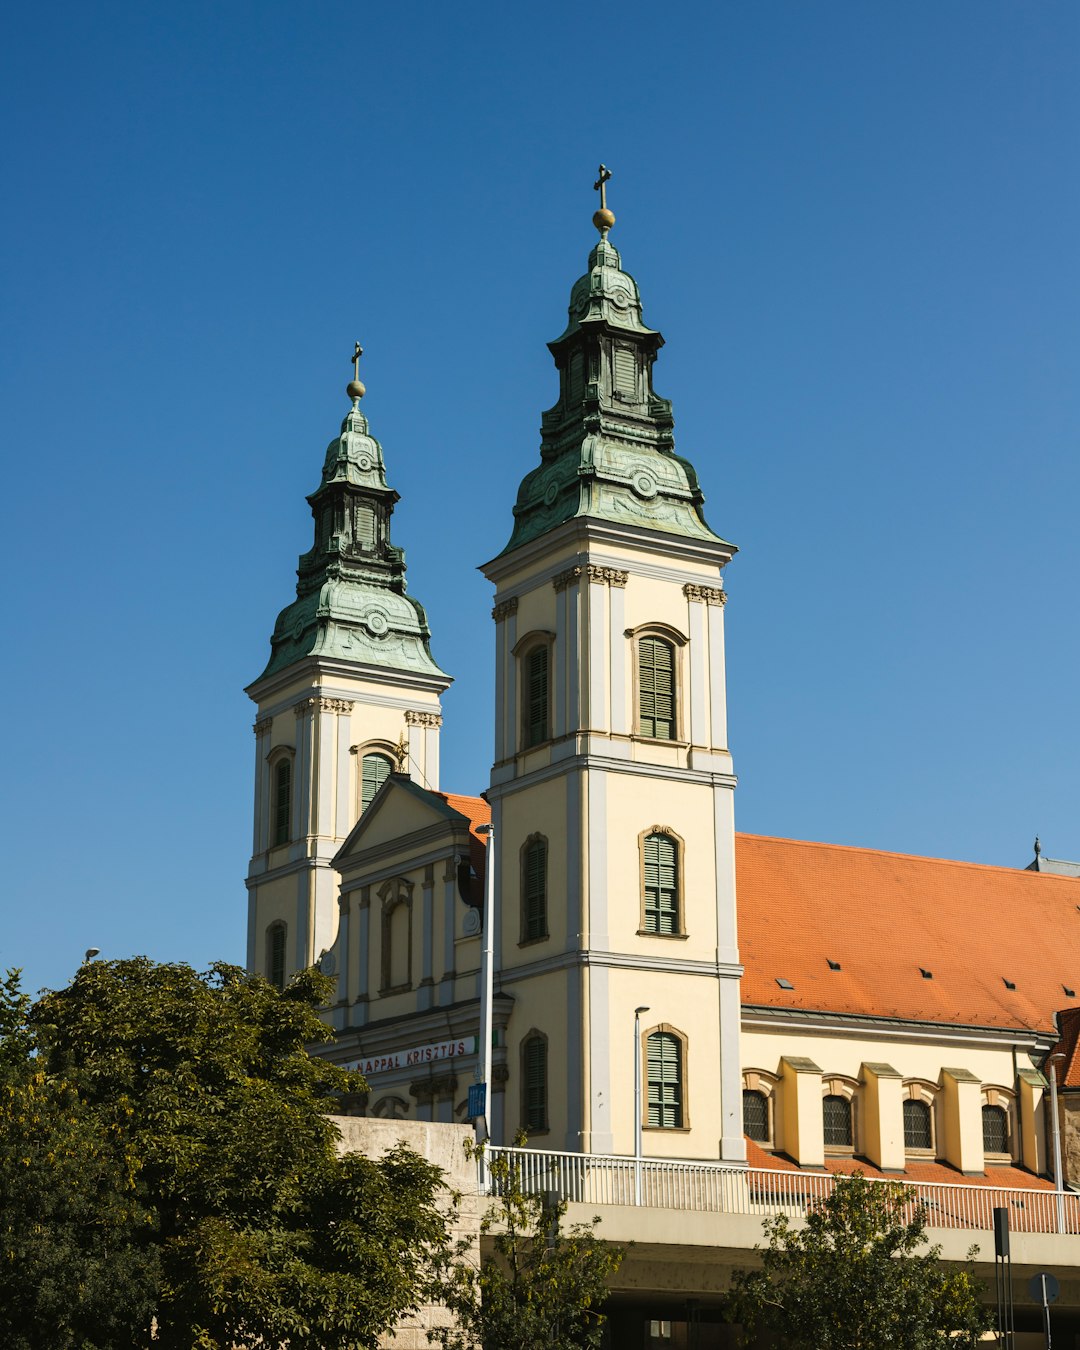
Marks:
<point>854,1277</point>
<point>545,1287</point>
<point>242,1224</point>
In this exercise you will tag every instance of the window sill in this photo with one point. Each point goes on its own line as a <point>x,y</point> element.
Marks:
<point>395,989</point>
<point>921,1154</point>
<point>660,740</point>
<point>666,1129</point>
<point>839,1151</point>
<point>535,941</point>
<point>666,937</point>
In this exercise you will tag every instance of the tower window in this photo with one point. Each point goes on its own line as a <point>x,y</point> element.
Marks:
<point>661,884</point>
<point>755,1115</point>
<point>995,1123</point>
<point>534,890</point>
<point>917,1129</point>
<point>374,771</point>
<point>665,1075</point>
<point>656,688</point>
<point>282,801</point>
<point>275,954</point>
<point>836,1120</point>
<point>536,696</point>
<point>534,1056</point>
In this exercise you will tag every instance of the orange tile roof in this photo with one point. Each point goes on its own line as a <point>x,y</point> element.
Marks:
<point>477,810</point>
<point>1017,1177</point>
<point>884,917</point>
<point>1069,1046</point>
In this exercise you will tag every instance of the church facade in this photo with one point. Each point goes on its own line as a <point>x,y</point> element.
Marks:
<point>725,995</point>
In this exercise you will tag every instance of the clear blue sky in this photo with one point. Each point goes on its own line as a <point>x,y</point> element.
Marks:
<point>856,225</point>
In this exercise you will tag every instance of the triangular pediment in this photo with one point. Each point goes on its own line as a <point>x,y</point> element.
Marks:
<point>400,811</point>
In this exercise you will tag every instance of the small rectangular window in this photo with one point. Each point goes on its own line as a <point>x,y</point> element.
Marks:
<point>282,801</point>
<point>661,885</point>
<point>664,1056</point>
<point>656,688</point>
<point>535,1075</point>
<point>836,1120</point>
<point>534,907</point>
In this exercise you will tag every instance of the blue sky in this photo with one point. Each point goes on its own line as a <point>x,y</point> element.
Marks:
<point>855,225</point>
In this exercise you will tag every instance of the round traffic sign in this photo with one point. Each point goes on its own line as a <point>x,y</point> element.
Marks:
<point>1043,1288</point>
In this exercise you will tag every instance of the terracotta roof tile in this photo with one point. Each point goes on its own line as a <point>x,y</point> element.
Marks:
<point>914,1172</point>
<point>1069,1046</point>
<point>477,810</point>
<point>883,917</point>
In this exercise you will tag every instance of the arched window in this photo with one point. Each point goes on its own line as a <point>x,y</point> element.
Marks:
<point>534,1087</point>
<point>995,1122</point>
<point>534,866</point>
<point>282,801</point>
<point>836,1119</point>
<point>535,695</point>
<point>665,1074</point>
<point>396,897</point>
<point>661,884</point>
<point>918,1133</point>
<point>275,954</point>
<point>374,771</point>
<point>755,1116</point>
<point>656,688</point>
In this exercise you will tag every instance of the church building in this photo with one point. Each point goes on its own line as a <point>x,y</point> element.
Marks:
<point>804,1004</point>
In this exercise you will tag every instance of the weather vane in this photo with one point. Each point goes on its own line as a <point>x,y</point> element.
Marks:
<point>354,388</point>
<point>603,219</point>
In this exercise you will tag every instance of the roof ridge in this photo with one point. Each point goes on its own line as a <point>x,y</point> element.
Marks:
<point>892,853</point>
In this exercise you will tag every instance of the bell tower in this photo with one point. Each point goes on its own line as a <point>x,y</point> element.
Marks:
<point>612,786</point>
<point>350,694</point>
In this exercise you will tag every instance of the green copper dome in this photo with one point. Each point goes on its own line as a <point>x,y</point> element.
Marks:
<point>350,592</point>
<point>607,447</point>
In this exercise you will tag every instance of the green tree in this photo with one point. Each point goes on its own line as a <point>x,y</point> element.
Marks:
<point>76,1268</point>
<point>261,1233</point>
<point>854,1277</point>
<point>544,1288</point>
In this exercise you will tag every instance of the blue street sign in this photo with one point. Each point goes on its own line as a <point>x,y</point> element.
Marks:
<point>477,1099</point>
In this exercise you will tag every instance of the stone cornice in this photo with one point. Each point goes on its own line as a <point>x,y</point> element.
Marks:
<point>262,726</point>
<point>505,608</point>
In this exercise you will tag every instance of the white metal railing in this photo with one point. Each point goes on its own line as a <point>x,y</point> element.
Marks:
<point>664,1183</point>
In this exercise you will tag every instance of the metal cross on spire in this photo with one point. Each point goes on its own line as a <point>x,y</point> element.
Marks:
<point>601,185</point>
<point>354,388</point>
<point>356,361</point>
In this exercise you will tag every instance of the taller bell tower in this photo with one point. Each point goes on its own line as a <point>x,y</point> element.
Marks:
<point>350,694</point>
<point>612,786</point>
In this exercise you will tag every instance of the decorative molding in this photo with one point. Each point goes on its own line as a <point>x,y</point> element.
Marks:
<point>422,719</point>
<point>712,595</point>
<point>427,1090</point>
<point>503,608</point>
<point>262,725</point>
<point>334,705</point>
<point>566,578</point>
<point>606,576</point>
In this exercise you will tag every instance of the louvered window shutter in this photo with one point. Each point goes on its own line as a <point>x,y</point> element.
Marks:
<point>276,956</point>
<point>664,1055</point>
<point>282,801</point>
<point>661,884</point>
<point>536,696</point>
<point>536,1083</point>
<point>535,907</point>
<point>656,688</point>
<point>375,772</point>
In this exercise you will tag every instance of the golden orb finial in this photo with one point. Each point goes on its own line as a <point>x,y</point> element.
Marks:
<point>355,389</point>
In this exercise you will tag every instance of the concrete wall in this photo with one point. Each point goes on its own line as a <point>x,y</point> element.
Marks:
<point>444,1146</point>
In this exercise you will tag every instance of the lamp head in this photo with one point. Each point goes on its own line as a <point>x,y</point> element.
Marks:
<point>90,953</point>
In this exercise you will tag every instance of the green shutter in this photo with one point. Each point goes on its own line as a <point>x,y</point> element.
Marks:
<point>282,801</point>
<point>535,888</point>
<point>275,958</point>
<point>664,1060</point>
<point>536,696</point>
<point>535,1067</point>
<point>661,884</point>
<point>656,688</point>
<point>375,771</point>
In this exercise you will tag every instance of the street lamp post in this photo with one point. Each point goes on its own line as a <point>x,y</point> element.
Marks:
<point>1058,1180</point>
<point>637,1103</point>
<point>487,986</point>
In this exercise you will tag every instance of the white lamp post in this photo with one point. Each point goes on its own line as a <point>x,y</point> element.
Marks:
<point>1058,1180</point>
<point>637,1103</point>
<point>487,987</point>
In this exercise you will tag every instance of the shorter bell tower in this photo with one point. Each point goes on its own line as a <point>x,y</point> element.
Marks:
<point>350,694</point>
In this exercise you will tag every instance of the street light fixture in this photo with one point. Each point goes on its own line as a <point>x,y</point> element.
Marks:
<point>91,952</point>
<point>487,978</point>
<point>637,1103</point>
